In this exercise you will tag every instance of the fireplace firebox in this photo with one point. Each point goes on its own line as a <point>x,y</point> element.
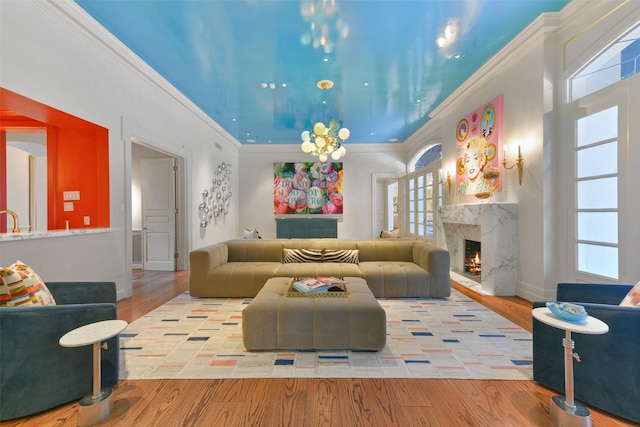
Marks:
<point>473,259</point>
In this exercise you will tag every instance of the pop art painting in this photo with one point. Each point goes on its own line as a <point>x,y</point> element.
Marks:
<point>478,148</point>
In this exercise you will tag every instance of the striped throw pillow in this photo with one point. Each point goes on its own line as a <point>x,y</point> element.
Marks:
<point>321,255</point>
<point>21,286</point>
<point>341,255</point>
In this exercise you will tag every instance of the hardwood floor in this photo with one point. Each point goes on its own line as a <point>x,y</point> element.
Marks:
<point>316,402</point>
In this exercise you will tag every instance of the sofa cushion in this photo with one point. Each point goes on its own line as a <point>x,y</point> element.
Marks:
<point>313,269</point>
<point>254,250</point>
<point>386,250</point>
<point>633,297</point>
<point>320,255</point>
<point>396,279</point>
<point>239,279</point>
<point>21,286</point>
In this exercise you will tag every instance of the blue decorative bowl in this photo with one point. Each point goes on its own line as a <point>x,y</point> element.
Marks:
<point>569,312</point>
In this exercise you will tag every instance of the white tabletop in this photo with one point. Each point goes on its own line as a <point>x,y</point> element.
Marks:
<point>93,333</point>
<point>591,326</point>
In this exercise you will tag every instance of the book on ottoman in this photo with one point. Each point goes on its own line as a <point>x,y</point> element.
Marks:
<point>318,286</point>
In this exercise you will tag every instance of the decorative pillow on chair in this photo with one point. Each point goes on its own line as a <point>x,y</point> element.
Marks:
<point>390,234</point>
<point>633,297</point>
<point>251,234</point>
<point>21,286</point>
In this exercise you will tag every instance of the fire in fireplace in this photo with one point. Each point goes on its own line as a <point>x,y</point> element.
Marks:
<point>472,259</point>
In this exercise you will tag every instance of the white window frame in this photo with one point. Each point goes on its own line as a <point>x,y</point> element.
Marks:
<point>615,95</point>
<point>427,193</point>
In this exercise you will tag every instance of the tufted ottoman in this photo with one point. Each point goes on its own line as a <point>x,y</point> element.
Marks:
<point>275,321</point>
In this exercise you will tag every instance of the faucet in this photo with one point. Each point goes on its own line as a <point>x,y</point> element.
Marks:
<point>16,228</point>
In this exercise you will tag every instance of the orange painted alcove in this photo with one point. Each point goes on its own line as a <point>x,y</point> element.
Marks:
<point>77,161</point>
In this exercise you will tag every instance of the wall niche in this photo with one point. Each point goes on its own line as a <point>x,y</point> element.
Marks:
<point>77,164</point>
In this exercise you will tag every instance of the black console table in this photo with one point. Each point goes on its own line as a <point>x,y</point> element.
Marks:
<point>306,228</point>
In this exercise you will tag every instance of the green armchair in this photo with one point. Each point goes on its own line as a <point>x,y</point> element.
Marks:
<point>36,373</point>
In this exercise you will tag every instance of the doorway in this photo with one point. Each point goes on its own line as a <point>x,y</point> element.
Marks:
<point>156,207</point>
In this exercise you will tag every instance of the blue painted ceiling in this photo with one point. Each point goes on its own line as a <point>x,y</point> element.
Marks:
<point>253,65</point>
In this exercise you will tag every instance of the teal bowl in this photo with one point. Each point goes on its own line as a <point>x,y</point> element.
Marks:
<point>569,312</point>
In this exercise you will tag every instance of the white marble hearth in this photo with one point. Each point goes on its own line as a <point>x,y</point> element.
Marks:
<point>495,226</point>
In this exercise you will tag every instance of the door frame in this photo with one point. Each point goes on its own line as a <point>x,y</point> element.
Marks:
<point>378,181</point>
<point>182,219</point>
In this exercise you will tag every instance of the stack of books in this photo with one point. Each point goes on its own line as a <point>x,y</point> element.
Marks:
<point>319,284</point>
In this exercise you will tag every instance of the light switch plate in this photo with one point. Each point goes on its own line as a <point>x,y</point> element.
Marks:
<point>71,195</point>
<point>68,206</point>
<point>87,220</point>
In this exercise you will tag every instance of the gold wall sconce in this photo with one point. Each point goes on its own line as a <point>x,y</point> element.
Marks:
<point>448,180</point>
<point>519,163</point>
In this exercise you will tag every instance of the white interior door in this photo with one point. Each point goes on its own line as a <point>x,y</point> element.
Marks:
<point>158,214</point>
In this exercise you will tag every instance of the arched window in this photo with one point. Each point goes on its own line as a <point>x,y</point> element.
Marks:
<point>425,157</point>
<point>618,61</point>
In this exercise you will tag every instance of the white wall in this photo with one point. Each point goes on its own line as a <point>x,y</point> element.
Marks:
<point>256,184</point>
<point>54,53</point>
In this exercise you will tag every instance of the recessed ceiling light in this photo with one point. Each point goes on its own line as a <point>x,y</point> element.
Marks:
<point>284,85</point>
<point>251,140</point>
<point>372,133</point>
<point>272,85</point>
<point>233,120</point>
<point>366,83</point>
<point>456,55</point>
<point>263,85</point>
<point>325,59</point>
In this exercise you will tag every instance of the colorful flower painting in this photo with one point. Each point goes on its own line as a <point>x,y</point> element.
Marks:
<point>307,188</point>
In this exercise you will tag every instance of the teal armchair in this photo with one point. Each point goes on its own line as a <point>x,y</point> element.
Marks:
<point>36,373</point>
<point>608,375</point>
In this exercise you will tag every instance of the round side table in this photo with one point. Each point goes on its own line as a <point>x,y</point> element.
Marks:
<point>97,406</point>
<point>565,411</point>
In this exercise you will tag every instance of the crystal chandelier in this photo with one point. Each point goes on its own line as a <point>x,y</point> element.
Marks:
<point>324,140</point>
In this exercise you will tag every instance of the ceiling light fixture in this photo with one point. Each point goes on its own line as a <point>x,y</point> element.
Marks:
<point>324,140</point>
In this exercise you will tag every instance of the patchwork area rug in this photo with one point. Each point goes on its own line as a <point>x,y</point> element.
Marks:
<point>454,337</point>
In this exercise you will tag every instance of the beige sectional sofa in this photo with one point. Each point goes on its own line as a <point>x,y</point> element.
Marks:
<point>391,268</point>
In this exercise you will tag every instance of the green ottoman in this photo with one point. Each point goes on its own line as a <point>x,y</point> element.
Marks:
<point>275,321</point>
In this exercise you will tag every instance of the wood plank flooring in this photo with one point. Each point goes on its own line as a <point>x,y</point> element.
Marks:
<point>316,402</point>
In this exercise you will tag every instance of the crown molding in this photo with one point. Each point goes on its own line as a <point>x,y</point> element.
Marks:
<point>86,27</point>
<point>429,131</point>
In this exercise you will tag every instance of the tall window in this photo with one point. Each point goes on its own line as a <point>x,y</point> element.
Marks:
<point>421,195</point>
<point>596,154</point>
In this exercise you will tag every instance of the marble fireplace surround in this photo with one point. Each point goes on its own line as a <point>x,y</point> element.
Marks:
<point>495,226</point>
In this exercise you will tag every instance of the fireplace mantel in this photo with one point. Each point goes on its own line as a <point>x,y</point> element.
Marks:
<point>496,225</point>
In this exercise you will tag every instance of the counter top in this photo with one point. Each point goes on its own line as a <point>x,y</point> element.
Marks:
<point>11,237</point>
